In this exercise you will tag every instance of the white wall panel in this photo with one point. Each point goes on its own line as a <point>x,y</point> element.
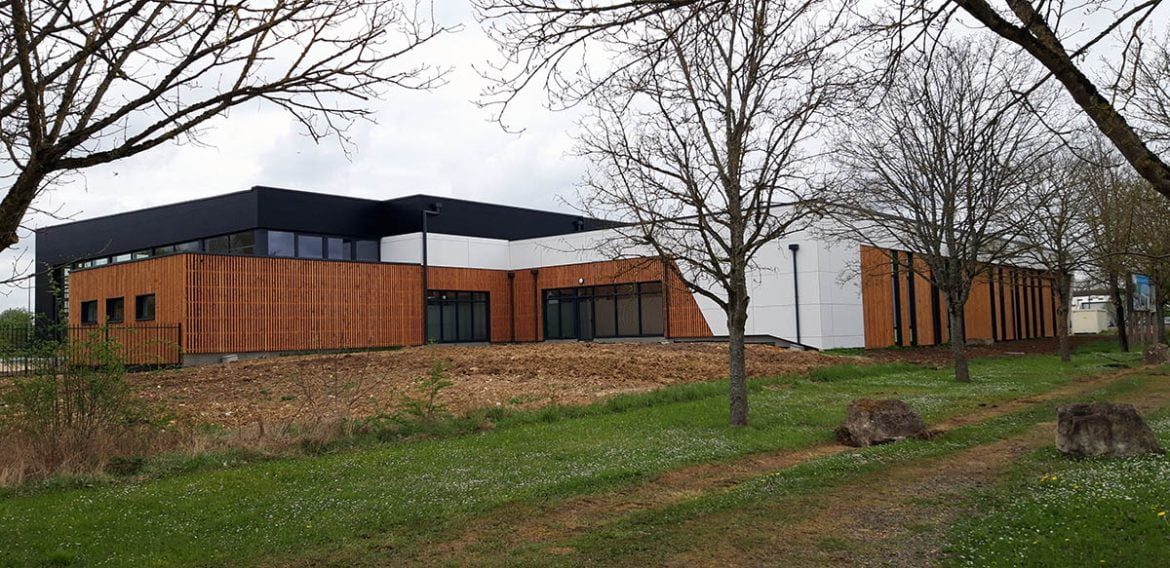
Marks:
<point>830,290</point>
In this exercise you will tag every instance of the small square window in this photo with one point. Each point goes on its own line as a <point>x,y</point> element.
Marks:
<point>115,310</point>
<point>144,307</point>
<point>89,312</point>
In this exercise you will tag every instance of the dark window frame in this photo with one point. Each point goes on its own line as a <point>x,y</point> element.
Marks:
<point>85,319</point>
<point>110,303</point>
<point>139,302</point>
<point>578,294</point>
<point>452,300</point>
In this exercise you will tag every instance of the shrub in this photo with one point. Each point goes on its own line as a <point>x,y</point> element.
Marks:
<point>72,419</point>
<point>426,406</point>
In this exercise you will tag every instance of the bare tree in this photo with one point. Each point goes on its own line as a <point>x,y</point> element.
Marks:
<point>941,168</point>
<point>1057,239</point>
<point>1112,219</point>
<point>1062,36</point>
<point>1151,249</point>
<point>88,83</point>
<point>702,144</point>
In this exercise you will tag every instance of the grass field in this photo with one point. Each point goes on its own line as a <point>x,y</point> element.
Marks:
<point>463,499</point>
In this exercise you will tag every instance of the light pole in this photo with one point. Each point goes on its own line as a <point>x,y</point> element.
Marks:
<point>795,289</point>
<point>432,210</point>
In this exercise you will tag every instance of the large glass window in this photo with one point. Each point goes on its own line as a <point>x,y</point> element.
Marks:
<point>242,243</point>
<point>623,310</point>
<point>219,245</point>
<point>310,246</point>
<point>457,317</point>
<point>337,249</point>
<point>367,251</point>
<point>192,246</point>
<point>281,243</point>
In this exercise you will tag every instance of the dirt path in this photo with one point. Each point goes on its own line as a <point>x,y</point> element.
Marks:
<point>527,526</point>
<point>896,517</point>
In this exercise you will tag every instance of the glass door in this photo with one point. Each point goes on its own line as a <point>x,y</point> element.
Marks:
<point>585,319</point>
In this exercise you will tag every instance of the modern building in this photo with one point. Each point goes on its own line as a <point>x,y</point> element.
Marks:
<point>272,270</point>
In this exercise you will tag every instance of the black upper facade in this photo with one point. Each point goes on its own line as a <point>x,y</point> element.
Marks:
<point>267,221</point>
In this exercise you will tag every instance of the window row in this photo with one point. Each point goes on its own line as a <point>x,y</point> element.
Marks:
<point>299,245</point>
<point>588,312</point>
<point>144,309</point>
<point>280,244</point>
<point>458,317</point>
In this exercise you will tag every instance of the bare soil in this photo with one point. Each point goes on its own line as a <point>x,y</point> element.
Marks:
<point>324,387</point>
<point>941,355</point>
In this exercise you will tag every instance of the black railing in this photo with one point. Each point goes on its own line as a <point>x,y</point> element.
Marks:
<point>26,349</point>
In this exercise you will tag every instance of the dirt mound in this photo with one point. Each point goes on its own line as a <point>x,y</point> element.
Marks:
<point>312,387</point>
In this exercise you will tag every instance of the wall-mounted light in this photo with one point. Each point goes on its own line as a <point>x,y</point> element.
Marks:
<point>580,280</point>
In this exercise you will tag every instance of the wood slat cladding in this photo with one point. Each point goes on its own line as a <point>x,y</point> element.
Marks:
<point>246,304</point>
<point>877,292</point>
<point>162,277</point>
<point>682,319</point>
<point>143,342</point>
<point>901,307</point>
<point>239,304</point>
<point>494,282</point>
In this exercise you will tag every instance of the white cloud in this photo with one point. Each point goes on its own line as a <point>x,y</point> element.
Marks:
<point>422,142</point>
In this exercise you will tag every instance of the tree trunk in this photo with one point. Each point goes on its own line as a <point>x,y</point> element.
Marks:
<point>1119,308</point>
<point>1159,315</point>
<point>736,323</point>
<point>17,201</point>
<point>1132,333</point>
<point>959,341</point>
<point>1063,292</point>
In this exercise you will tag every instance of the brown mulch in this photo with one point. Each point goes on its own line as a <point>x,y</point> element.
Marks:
<point>323,387</point>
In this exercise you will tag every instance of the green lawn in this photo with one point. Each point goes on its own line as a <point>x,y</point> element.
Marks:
<point>405,493</point>
<point>1059,512</point>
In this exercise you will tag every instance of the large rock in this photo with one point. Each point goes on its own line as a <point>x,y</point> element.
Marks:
<point>1103,429</point>
<point>1156,354</point>
<point>869,422</point>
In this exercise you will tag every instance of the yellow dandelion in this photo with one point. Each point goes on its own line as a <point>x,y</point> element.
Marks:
<point>1162,514</point>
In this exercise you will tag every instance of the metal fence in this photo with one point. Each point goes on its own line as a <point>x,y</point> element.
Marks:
<point>26,349</point>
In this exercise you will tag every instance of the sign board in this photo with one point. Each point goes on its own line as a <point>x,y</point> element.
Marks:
<point>1143,294</point>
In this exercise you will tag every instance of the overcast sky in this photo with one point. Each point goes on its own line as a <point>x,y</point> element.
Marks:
<point>435,142</point>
